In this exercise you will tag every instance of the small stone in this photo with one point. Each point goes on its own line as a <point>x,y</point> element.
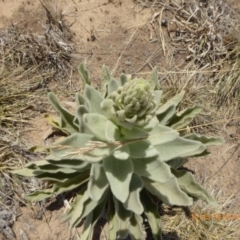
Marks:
<point>128,63</point>
<point>23,235</point>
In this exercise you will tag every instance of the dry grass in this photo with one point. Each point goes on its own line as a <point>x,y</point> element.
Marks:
<point>201,51</point>
<point>48,51</point>
<point>204,35</point>
<point>201,221</point>
<point>207,32</point>
<point>16,109</point>
<point>28,62</point>
<point>211,75</point>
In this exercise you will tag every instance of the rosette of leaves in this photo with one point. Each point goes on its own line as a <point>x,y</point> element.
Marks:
<point>123,150</point>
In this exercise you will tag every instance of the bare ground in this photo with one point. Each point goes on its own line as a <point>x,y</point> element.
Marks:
<point>120,35</point>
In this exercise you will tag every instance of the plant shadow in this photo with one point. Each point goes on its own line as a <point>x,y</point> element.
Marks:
<point>98,232</point>
<point>165,235</point>
<point>170,236</point>
<point>55,205</point>
<point>98,229</point>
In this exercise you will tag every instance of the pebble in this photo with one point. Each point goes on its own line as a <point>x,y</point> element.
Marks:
<point>23,235</point>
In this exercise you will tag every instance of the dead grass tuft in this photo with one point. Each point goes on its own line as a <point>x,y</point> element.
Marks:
<point>201,29</point>
<point>28,62</point>
<point>202,52</point>
<point>47,52</point>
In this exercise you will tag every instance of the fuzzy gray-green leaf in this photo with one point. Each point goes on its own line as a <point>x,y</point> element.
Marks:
<point>71,183</point>
<point>87,228</point>
<point>123,217</point>
<point>153,79</point>
<point>74,204</point>
<point>112,132</point>
<point>29,169</point>
<point>83,208</point>
<point>72,148</point>
<point>157,97</point>
<point>113,85</point>
<point>151,124</point>
<point>76,164</point>
<point>106,76</point>
<point>173,101</point>
<point>123,78</point>
<point>165,115</point>
<point>207,141</point>
<point>118,179</point>
<point>92,219</point>
<point>81,110</point>
<point>107,106</point>
<point>113,224</point>
<point>151,211</point>
<point>179,147</point>
<point>59,177</point>
<point>184,118</point>
<point>97,154</point>
<point>75,141</point>
<point>36,164</point>
<point>152,168</point>
<point>66,118</point>
<point>80,100</point>
<point>135,229</point>
<point>53,169</point>
<point>162,134</point>
<point>83,72</point>
<point>121,153</point>
<point>26,172</point>
<point>134,133</point>
<point>142,149</point>
<point>177,162</point>
<point>78,209</point>
<point>133,202</point>
<point>169,192</point>
<point>39,195</point>
<point>94,98</point>
<point>191,187</point>
<point>102,128</point>
<point>98,182</point>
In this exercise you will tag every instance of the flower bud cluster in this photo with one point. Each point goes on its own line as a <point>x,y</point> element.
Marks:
<point>134,102</point>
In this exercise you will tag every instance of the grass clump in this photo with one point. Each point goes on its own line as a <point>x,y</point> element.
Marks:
<point>200,43</point>
<point>28,62</point>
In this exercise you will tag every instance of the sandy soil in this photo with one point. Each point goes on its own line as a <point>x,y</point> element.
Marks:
<point>117,33</point>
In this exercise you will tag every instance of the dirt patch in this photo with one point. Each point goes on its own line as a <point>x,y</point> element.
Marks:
<point>221,170</point>
<point>120,35</point>
<point>42,224</point>
<point>17,10</point>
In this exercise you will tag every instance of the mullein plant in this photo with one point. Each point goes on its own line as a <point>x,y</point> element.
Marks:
<point>123,150</point>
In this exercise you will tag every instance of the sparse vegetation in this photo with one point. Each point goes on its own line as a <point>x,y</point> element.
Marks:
<point>32,63</point>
